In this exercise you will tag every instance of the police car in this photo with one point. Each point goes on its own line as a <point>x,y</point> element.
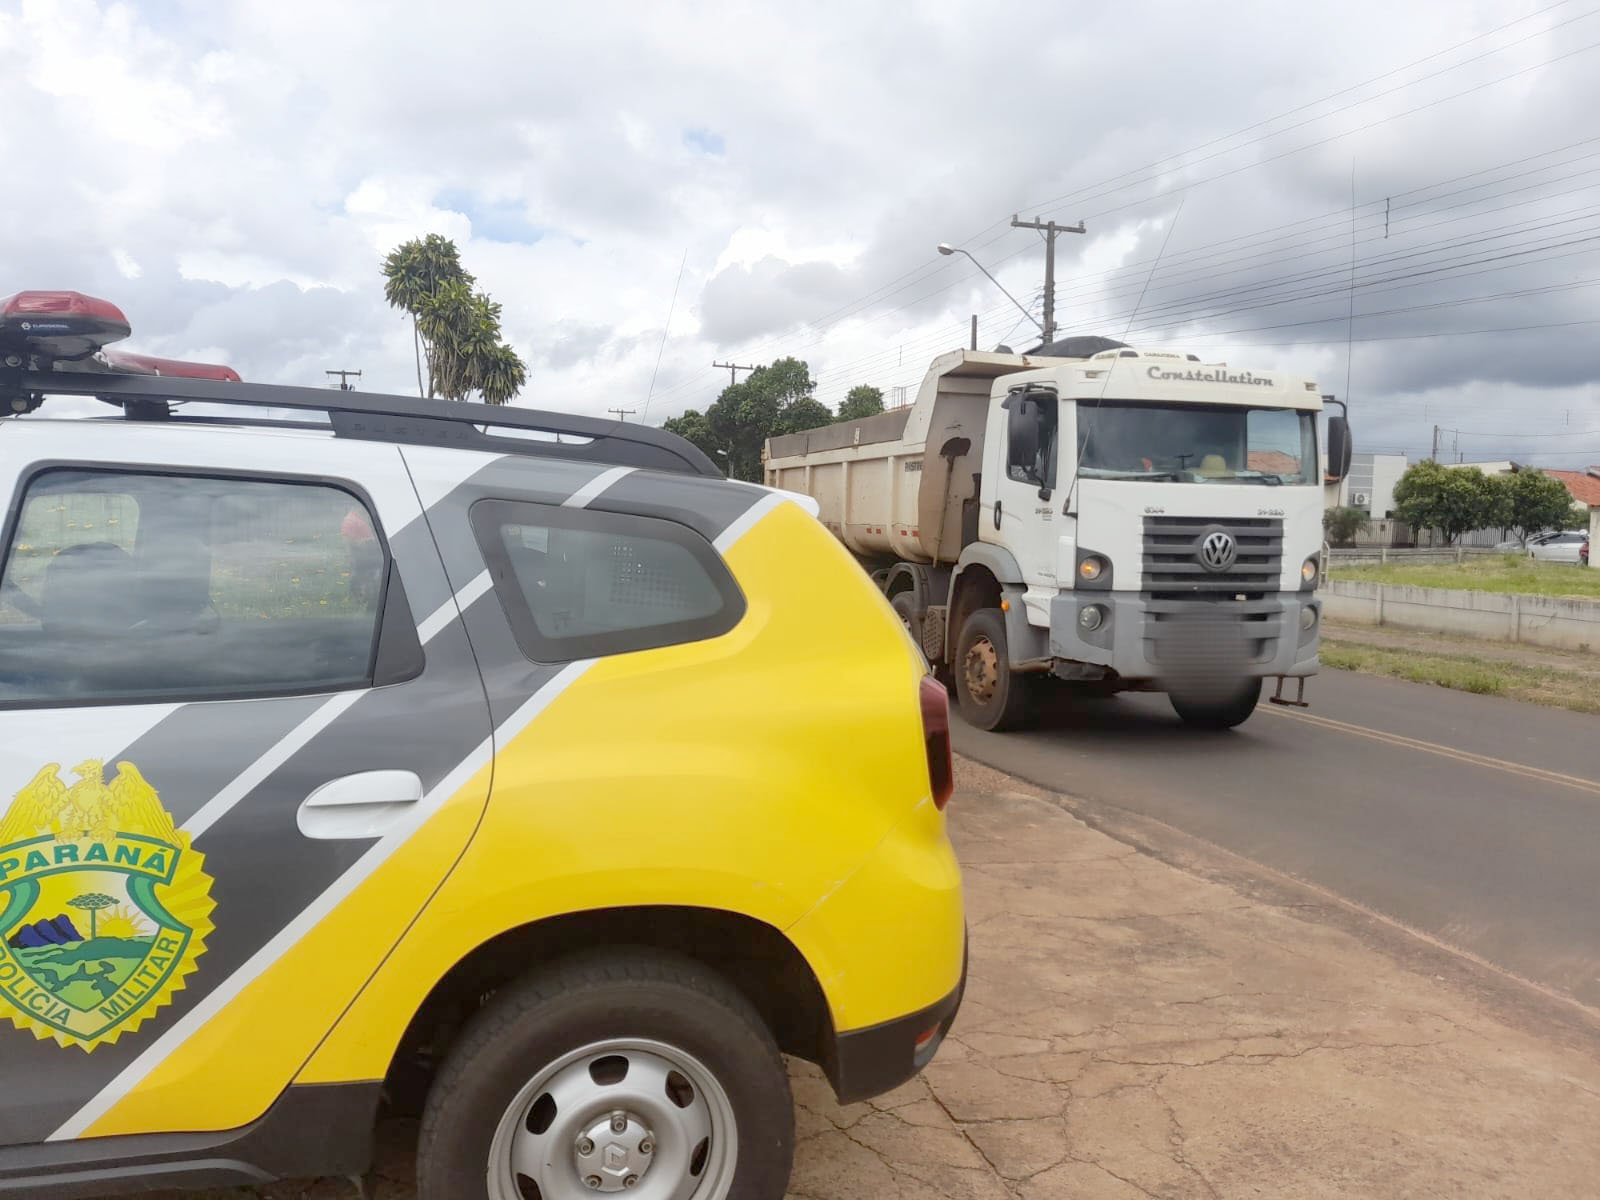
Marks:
<point>362,751</point>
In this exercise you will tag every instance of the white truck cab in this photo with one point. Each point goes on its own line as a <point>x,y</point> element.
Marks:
<point>1123,520</point>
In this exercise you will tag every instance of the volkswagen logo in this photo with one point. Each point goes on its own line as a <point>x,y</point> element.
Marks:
<point>1217,550</point>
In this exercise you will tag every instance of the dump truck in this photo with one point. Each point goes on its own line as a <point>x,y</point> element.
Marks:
<point>1089,516</point>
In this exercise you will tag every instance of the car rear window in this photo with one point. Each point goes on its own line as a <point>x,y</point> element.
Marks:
<point>579,584</point>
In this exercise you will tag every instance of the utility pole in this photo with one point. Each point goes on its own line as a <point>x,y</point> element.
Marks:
<point>1435,454</point>
<point>344,379</point>
<point>974,331</point>
<point>1049,229</point>
<point>622,413</point>
<point>733,371</point>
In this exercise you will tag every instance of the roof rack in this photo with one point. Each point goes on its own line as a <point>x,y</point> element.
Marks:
<point>372,416</point>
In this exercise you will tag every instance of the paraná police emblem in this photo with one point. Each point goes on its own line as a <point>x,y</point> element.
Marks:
<point>104,906</point>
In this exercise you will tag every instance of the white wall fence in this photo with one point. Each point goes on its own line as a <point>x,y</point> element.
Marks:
<point>1560,622</point>
<point>1367,555</point>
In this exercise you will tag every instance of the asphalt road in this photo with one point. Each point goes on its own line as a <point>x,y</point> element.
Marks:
<point>1473,819</point>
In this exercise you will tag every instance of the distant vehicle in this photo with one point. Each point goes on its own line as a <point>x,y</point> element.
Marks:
<point>1559,547</point>
<point>1513,546</point>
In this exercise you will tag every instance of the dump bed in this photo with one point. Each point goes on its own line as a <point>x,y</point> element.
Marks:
<point>900,484</point>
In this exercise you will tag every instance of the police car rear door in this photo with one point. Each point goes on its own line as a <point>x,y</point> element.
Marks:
<point>242,738</point>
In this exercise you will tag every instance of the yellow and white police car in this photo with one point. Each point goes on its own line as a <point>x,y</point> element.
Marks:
<point>361,750</point>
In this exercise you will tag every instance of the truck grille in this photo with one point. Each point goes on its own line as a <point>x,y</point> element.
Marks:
<point>1209,633</point>
<point>1172,560</point>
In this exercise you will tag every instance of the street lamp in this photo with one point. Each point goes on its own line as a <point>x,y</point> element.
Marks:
<point>947,248</point>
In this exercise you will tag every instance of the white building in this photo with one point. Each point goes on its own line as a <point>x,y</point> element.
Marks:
<point>1370,484</point>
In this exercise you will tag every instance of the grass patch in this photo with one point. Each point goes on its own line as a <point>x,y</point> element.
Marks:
<point>1575,690</point>
<point>1485,573</point>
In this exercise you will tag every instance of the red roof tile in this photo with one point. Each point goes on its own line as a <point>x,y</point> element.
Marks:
<point>1585,487</point>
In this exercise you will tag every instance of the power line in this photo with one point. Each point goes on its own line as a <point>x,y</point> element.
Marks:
<point>1163,166</point>
<point>926,271</point>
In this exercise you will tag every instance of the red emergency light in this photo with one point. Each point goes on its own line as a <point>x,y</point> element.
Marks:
<point>148,364</point>
<point>59,325</point>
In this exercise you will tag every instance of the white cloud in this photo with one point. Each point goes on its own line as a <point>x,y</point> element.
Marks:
<point>232,173</point>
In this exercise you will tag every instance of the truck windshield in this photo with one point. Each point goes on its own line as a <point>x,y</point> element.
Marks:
<point>1196,443</point>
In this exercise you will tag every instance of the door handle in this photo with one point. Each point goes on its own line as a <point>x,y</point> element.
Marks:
<point>367,804</point>
<point>997,514</point>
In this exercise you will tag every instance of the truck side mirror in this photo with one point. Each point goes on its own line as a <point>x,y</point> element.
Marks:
<point>1339,447</point>
<point>1023,429</point>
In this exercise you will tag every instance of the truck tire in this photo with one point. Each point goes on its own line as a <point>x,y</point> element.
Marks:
<point>602,1072</point>
<point>905,607</point>
<point>1217,710</point>
<point>991,695</point>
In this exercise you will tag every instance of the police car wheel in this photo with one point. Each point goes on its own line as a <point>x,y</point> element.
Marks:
<point>624,1071</point>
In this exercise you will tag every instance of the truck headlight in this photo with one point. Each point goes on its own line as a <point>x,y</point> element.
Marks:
<point>1308,573</point>
<point>1091,617</point>
<point>1091,568</point>
<point>1308,617</point>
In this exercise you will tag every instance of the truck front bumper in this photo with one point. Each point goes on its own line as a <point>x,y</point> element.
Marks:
<point>1141,637</point>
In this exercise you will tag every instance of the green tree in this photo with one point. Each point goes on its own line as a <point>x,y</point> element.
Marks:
<point>455,328</point>
<point>1534,503</point>
<point>1341,525</point>
<point>863,400</point>
<point>771,400</point>
<point>1577,517</point>
<point>1450,500</point>
<point>92,903</point>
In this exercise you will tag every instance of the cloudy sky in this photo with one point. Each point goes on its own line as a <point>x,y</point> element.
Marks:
<point>232,173</point>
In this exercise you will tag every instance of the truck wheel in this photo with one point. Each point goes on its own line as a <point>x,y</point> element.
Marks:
<point>991,695</point>
<point>1218,710</point>
<point>625,1070</point>
<point>905,607</point>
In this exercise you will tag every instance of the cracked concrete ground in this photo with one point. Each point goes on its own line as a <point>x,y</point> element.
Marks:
<point>1139,1029</point>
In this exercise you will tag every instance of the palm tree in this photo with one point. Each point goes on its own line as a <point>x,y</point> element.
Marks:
<point>454,326</point>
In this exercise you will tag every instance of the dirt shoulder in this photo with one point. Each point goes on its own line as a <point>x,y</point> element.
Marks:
<point>1149,1018</point>
<point>1560,679</point>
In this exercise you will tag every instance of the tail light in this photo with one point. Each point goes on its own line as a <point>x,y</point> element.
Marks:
<point>936,733</point>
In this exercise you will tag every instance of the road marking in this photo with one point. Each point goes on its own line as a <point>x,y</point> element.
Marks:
<point>1466,756</point>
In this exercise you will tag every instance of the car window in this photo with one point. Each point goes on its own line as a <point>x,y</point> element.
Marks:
<point>121,586</point>
<point>577,584</point>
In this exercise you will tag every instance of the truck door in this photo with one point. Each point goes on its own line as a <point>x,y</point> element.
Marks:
<point>241,741</point>
<point>1022,504</point>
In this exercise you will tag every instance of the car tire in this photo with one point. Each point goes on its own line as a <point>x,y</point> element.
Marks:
<point>660,1065</point>
<point>1212,711</point>
<point>991,695</point>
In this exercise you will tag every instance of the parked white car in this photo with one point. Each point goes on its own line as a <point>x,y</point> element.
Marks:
<point>1560,547</point>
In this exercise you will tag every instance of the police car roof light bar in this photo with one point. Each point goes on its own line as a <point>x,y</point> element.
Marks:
<point>52,326</point>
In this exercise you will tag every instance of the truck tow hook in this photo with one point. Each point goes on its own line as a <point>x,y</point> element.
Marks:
<point>1299,700</point>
